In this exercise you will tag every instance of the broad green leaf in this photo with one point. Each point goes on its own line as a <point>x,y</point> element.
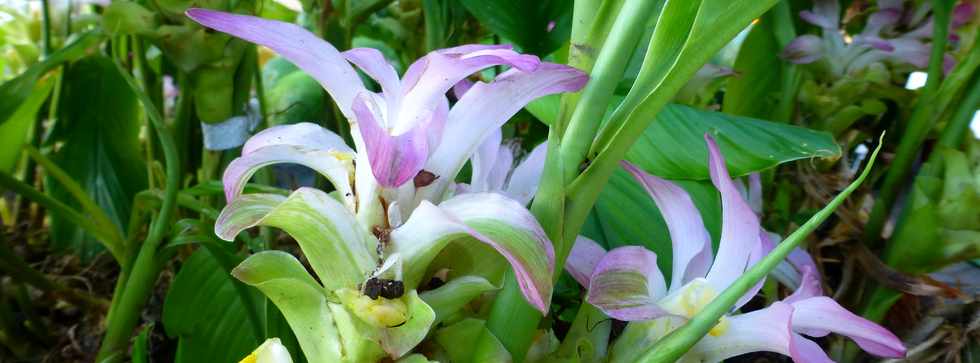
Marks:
<point>754,91</point>
<point>451,297</point>
<point>141,345</point>
<point>667,147</point>
<point>15,92</point>
<point>526,23</point>
<point>339,250</point>
<point>97,134</point>
<point>203,310</point>
<point>459,339</point>
<point>672,147</point>
<point>282,278</point>
<point>15,131</point>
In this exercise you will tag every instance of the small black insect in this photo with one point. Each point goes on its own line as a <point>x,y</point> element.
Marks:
<point>388,289</point>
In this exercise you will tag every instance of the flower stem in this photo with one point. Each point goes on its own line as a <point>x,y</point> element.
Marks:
<point>125,310</point>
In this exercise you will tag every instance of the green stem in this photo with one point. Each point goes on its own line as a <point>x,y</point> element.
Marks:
<point>46,30</point>
<point>605,76</point>
<point>678,342</point>
<point>146,268</point>
<point>952,136</point>
<point>920,123</point>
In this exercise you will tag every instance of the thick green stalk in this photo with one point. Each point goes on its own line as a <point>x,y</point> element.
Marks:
<point>954,132</point>
<point>920,123</point>
<point>678,342</point>
<point>137,288</point>
<point>608,70</point>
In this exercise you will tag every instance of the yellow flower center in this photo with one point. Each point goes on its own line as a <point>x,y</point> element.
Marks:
<point>691,299</point>
<point>381,313</point>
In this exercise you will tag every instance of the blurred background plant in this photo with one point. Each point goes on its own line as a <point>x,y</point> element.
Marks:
<point>117,118</point>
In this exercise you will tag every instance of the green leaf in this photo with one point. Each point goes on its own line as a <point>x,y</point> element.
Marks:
<point>205,312</point>
<point>666,147</point>
<point>451,297</point>
<point>98,132</point>
<point>15,130</point>
<point>672,147</point>
<point>282,278</point>
<point>15,92</point>
<point>754,91</point>
<point>141,345</point>
<point>459,339</point>
<point>526,23</point>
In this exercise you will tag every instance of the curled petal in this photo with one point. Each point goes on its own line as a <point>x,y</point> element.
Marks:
<point>490,218</point>
<point>335,166</point>
<point>271,351</point>
<point>304,134</point>
<point>484,161</point>
<point>823,314</point>
<point>583,258</point>
<point>963,13</point>
<point>523,182</point>
<point>394,159</point>
<point>739,227</point>
<point>310,53</point>
<point>486,107</point>
<point>766,329</point>
<point>626,284</point>
<point>809,287</point>
<point>886,17</point>
<point>688,236</point>
<point>804,49</point>
<point>282,278</point>
<point>429,78</point>
<point>340,252</point>
<point>373,63</point>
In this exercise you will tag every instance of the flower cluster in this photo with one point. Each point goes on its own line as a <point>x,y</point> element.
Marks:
<point>626,284</point>
<point>372,240</point>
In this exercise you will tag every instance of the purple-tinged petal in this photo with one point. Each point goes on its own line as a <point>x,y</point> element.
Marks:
<point>307,51</point>
<point>336,166</point>
<point>461,87</point>
<point>304,134</point>
<point>486,107</point>
<point>490,218</point>
<point>963,13</point>
<point>626,284</point>
<point>804,350</point>
<point>583,258</point>
<point>822,313</point>
<point>790,271</point>
<point>430,77</point>
<point>766,330</point>
<point>687,233</point>
<point>483,161</point>
<point>739,227</point>
<point>523,182</point>
<point>879,20</point>
<point>809,287</point>
<point>394,159</point>
<point>761,250</point>
<point>804,49</point>
<point>373,63</point>
<point>825,14</point>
